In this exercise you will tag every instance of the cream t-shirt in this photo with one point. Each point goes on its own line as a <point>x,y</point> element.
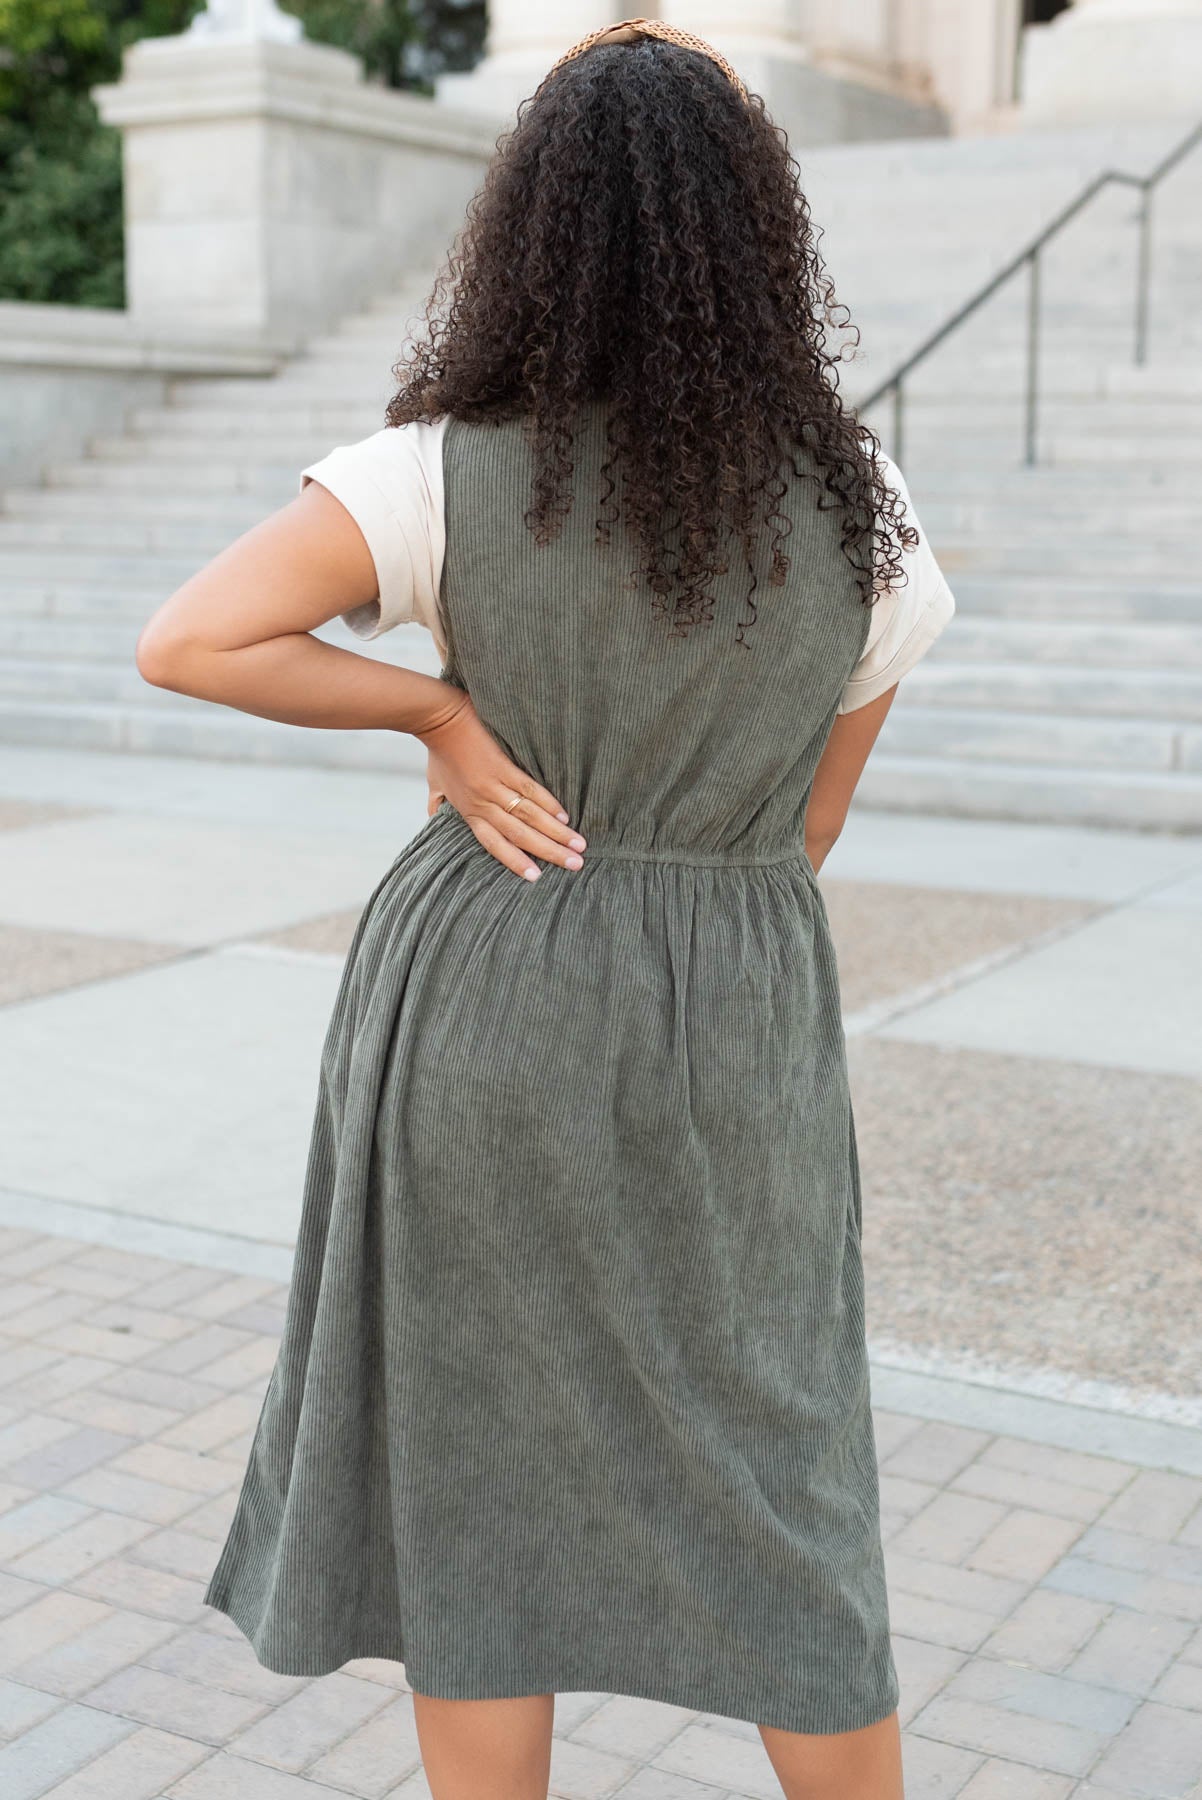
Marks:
<point>392,485</point>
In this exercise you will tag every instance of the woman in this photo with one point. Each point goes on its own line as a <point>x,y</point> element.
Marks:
<point>573,1391</point>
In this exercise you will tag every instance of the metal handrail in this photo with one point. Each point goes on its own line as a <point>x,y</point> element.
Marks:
<point>1029,258</point>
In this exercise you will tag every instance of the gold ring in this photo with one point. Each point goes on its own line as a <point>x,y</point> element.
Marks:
<point>516,801</point>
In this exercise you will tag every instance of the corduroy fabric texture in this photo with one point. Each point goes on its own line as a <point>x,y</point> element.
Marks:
<point>573,1391</point>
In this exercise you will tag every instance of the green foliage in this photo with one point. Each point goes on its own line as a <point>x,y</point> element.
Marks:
<point>60,167</point>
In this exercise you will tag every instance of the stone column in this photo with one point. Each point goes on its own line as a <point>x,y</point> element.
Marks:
<point>1110,60</point>
<point>524,39</point>
<point>268,187</point>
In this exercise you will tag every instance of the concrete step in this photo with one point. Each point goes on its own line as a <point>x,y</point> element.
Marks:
<point>1063,689</point>
<point>1115,599</point>
<point>83,508</point>
<point>1075,644</point>
<point>219,734</point>
<point>1054,793</point>
<point>973,733</point>
<point>357,414</point>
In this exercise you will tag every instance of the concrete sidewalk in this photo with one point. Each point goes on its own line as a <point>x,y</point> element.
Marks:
<point>1023,1015</point>
<point>1046,1600</point>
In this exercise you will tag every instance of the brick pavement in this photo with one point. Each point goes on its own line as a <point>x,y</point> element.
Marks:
<point>1047,1602</point>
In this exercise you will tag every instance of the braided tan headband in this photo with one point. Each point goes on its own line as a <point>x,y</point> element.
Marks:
<point>628,31</point>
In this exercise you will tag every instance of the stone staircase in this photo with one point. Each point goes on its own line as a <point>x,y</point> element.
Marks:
<point>1069,686</point>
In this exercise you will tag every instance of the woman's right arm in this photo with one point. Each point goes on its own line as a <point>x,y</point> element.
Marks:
<point>239,633</point>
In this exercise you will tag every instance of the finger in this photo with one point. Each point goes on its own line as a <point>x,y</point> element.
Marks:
<point>518,782</point>
<point>531,813</point>
<point>529,837</point>
<point>499,846</point>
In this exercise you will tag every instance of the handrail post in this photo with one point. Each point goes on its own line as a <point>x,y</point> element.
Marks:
<point>1143,276</point>
<point>898,434</point>
<point>1032,409</point>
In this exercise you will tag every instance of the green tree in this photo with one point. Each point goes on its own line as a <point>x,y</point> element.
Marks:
<point>60,166</point>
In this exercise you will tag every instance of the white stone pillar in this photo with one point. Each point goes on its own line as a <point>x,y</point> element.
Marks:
<point>524,39</point>
<point>1110,60</point>
<point>268,187</point>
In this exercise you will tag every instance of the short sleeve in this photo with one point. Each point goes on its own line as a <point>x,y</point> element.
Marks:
<point>906,619</point>
<point>392,485</point>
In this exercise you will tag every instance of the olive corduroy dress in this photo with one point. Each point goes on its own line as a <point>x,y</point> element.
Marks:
<point>573,1391</point>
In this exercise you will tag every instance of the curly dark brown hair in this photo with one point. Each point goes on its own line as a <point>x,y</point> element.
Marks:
<point>642,239</point>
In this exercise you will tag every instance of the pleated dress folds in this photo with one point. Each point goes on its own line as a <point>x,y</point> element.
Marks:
<point>573,1391</point>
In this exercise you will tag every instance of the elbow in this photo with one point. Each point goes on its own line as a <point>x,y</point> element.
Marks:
<point>161,656</point>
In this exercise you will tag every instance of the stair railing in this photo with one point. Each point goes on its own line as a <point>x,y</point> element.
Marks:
<point>1030,258</point>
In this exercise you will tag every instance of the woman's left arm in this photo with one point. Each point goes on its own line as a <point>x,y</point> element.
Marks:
<point>839,769</point>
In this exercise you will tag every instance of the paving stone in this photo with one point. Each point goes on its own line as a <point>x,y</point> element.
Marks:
<point>65,1557</point>
<point>211,1658</point>
<point>923,1670</point>
<point>23,1527</point>
<point>64,1742</point>
<point>936,1622</point>
<point>376,1756</point>
<point>213,1425</point>
<point>79,1278</point>
<point>226,1777</point>
<point>1159,1755</point>
<point>632,1728</point>
<point>67,1456</point>
<point>211,1715</point>
<point>1047,1463</point>
<point>78,1663</point>
<point>949,1528</point>
<point>133,1418</point>
<point>1181,1686</point>
<point>182,1393</point>
<point>1134,1550</point>
<point>1155,1504</point>
<point>153,1591</point>
<point>182,1284</point>
<point>572,1709</point>
<point>44,1623</point>
<point>1192,1653</point>
<point>15,1594</point>
<point>181,1552</point>
<point>1034,1691</point>
<point>580,1773</point>
<point>972,1588</point>
<point>45,1308</point>
<point>891,1429</point>
<point>63,1376</point>
<point>660,1784</point>
<point>22,1707</point>
<point>721,1760</point>
<point>312,1722</point>
<point>24,1436</point>
<point>935,1771</point>
<point>174,1468</point>
<point>189,1355</point>
<point>1131,1651</point>
<point>227,1295</point>
<point>107,1344</point>
<point>1060,1749</point>
<point>1126,1587</point>
<point>152,1501</point>
<point>1024,1545</point>
<point>379,1669</point>
<point>902,1496</point>
<point>149,1323</point>
<point>212,1518</point>
<point>935,1452</point>
<point>138,1768</point>
<point>253,1362</point>
<point>1010,1487</point>
<point>997,1780</point>
<point>1047,1629</point>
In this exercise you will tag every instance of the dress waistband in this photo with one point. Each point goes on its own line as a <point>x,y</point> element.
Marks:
<point>717,859</point>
